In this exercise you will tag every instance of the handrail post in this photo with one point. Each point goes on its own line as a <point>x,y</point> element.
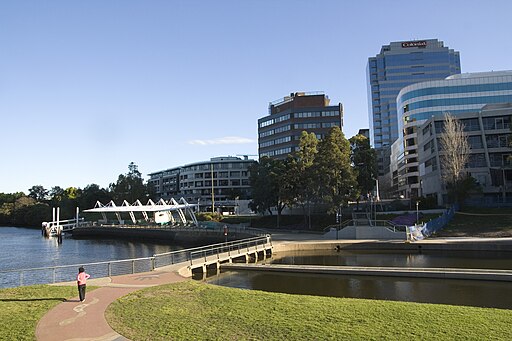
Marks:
<point>133,266</point>
<point>54,270</point>
<point>109,267</point>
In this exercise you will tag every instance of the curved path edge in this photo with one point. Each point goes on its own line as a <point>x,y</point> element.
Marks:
<point>73,320</point>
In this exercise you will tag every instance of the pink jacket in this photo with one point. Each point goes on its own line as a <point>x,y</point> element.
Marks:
<point>82,278</point>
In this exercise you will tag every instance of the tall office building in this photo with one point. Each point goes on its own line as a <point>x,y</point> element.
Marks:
<point>279,131</point>
<point>397,65</point>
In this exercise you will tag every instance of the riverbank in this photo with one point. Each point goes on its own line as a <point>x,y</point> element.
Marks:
<point>354,317</point>
<point>212,312</point>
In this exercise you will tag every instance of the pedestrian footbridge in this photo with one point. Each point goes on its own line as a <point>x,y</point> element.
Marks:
<point>245,251</point>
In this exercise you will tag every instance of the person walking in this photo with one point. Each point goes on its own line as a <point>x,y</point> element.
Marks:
<point>81,280</point>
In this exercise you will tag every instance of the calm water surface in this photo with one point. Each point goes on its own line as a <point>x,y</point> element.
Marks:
<point>22,248</point>
<point>456,292</point>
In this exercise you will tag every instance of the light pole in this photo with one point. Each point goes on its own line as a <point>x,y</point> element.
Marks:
<point>417,212</point>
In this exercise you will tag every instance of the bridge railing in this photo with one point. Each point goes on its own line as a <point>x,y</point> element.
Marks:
<point>66,273</point>
<point>238,247</point>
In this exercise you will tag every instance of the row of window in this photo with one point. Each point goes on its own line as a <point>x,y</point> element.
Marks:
<point>225,165</point>
<point>276,141</point>
<point>299,126</point>
<point>306,114</point>
<point>208,183</point>
<point>443,102</point>
<point>473,124</point>
<point>232,174</point>
<point>443,90</point>
<point>276,152</point>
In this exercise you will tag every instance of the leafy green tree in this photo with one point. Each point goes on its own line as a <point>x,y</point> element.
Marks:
<point>336,177</point>
<point>91,194</point>
<point>56,195</point>
<point>364,160</point>
<point>130,186</point>
<point>38,193</point>
<point>301,180</point>
<point>267,188</point>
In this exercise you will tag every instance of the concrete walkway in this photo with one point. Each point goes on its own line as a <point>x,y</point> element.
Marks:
<point>82,321</point>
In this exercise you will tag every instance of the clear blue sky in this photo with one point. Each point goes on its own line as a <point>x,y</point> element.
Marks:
<point>86,87</point>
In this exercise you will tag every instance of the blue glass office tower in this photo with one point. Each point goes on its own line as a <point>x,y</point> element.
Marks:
<point>397,65</point>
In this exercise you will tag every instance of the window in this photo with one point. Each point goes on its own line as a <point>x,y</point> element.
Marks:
<point>475,142</point>
<point>476,160</point>
<point>282,118</point>
<point>267,133</point>
<point>282,129</point>
<point>266,123</point>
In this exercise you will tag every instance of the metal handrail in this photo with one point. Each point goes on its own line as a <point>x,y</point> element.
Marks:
<point>228,247</point>
<point>131,265</point>
<point>353,222</point>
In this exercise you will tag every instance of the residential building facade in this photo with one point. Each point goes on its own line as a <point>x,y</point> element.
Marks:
<point>400,64</point>
<point>457,95</point>
<point>279,131</point>
<point>226,177</point>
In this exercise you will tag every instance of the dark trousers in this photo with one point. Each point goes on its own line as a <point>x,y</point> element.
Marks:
<point>81,291</point>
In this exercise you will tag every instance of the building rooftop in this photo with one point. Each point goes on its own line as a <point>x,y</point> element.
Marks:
<point>480,74</point>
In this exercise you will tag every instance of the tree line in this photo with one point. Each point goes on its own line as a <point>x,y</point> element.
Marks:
<point>327,172</point>
<point>20,209</point>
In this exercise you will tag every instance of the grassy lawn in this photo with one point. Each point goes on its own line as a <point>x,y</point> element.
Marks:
<point>480,222</point>
<point>21,308</point>
<point>198,311</point>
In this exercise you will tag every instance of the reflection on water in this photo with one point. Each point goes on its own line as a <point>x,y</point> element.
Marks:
<point>430,259</point>
<point>457,292</point>
<point>22,248</point>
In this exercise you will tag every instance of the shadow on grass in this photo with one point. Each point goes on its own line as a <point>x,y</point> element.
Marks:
<point>35,299</point>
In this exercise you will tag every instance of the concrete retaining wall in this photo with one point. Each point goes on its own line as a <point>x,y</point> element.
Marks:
<point>179,237</point>
<point>365,232</point>
<point>495,246</point>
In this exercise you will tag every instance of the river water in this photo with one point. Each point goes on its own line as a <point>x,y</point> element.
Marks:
<point>23,248</point>
<point>456,292</point>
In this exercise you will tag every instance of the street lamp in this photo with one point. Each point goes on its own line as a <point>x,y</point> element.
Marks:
<point>417,212</point>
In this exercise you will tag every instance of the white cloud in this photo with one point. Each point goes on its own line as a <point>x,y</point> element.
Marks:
<point>222,140</point>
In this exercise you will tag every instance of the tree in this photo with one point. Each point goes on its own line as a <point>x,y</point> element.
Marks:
<point>301,179</point>
<point>38,193</point>
<point>337,179</point>
<point>455,154</point>
<point>266,178</point>
<point>364,160</point>
<point>130,186</point>
<point>56,195</point>
<point>91,194</point>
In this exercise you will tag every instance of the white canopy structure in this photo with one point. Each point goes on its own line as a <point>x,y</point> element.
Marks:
<point>162,210</point>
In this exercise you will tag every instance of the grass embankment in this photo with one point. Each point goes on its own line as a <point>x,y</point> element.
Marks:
<point>21,308</point>
<point>479,222</point>
<point>197,311</point>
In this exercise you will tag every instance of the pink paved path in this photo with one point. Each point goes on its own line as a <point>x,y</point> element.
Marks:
<point>81,321</point>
